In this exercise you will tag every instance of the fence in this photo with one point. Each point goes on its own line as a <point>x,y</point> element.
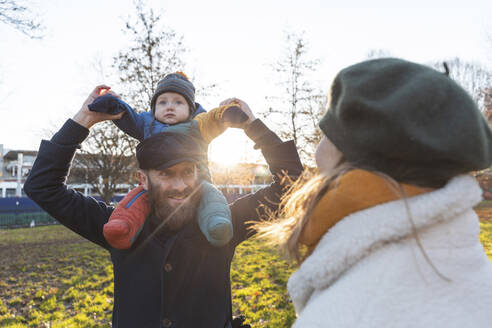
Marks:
<point>16,212</point>
<point>18,220</point>
<point>22,212</point>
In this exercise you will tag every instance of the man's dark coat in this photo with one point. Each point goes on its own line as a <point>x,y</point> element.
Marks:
<point>163,280</point>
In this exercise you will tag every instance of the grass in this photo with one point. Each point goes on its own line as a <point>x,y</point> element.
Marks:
<point>485,215</point>
<point>51,277</point>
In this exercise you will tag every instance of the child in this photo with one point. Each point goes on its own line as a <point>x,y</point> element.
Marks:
<point>389,229</point>
<point>173,109</point>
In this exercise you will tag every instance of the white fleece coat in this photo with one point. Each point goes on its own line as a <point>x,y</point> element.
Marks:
<point>367,271</point>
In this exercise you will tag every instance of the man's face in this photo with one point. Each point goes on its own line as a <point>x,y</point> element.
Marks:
<point>171,108</point>
<point>173,193</point>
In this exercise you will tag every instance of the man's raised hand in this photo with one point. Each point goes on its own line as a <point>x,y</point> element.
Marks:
<point>87,118</point>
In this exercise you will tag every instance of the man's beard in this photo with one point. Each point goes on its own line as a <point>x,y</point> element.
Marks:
<point>168,217</point>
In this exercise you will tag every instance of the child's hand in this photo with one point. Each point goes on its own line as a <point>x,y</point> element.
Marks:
<point>244,107</point>
<point>233,116</point>
<point>87,118</point>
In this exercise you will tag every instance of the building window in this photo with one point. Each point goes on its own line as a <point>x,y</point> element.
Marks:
<point>10,192</point>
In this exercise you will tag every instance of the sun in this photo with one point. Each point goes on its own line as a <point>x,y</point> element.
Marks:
<point>229,149</point>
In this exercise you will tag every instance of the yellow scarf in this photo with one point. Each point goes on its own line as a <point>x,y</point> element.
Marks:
<point>355,191</point>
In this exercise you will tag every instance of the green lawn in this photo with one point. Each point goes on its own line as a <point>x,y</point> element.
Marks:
<point>51,277</point>
<point>486,237</point>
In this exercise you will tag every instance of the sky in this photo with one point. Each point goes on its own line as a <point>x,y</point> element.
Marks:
<point>232,43</point>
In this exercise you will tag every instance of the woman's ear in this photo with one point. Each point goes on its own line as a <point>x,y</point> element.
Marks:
<point>143,179</point>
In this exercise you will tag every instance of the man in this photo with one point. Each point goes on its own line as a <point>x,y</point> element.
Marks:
<point>171,276</point>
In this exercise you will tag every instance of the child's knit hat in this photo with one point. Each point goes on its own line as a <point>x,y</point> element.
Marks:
<point>408,121</point>
<point>175,82</point>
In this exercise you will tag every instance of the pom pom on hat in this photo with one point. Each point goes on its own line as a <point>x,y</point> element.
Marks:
<point>182,74</point>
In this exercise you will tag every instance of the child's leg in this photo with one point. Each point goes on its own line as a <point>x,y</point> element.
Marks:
<point>214,216</point>
<point>127,219</point>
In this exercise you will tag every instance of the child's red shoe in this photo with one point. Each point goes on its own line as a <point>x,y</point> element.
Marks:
<point>127,219</point>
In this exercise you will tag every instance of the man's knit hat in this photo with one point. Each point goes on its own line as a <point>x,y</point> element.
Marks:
<point>175,82</point>
<point>408,121</point>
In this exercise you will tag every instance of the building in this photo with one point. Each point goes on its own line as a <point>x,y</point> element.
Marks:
<point>234,181</point>
<point>15,166</point>
<point>17,210</point>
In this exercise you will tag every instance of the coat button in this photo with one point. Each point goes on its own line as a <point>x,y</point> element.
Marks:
<point>168,267</point>
<point>166,323</point>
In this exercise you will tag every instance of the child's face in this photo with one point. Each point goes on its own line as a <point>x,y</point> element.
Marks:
<point>171,108</point>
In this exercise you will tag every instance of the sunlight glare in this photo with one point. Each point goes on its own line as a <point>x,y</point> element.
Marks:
<point>230,148</point>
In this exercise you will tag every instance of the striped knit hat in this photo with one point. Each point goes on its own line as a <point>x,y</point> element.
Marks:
<point>175,82</point>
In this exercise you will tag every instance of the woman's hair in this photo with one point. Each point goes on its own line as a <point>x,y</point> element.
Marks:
<point>284,227</point>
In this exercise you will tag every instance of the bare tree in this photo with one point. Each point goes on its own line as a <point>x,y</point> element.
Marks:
<point>487,98</point>
<point>155,50</point>
<point>301,105</point>
<point>315,109</point>
<point>473,77</point>
<point>15,14</point>
<point>378,53</point>
<point>106,161</point>
<point>487,103</point>
<point>107,158</point>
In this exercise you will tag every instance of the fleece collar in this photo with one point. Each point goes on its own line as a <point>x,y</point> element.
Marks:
<point>362,232</point>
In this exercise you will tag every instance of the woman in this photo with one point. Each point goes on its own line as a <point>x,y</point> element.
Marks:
<point>390,236</point>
